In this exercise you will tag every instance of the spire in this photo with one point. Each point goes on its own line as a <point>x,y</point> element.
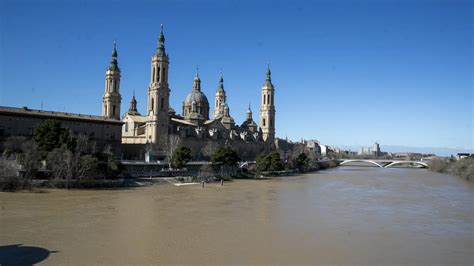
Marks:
<point>197,80</point>
<point>269,75</point>
<point>161,43</point>
<point>221,84</point>
<point>197,72</point>
<point>133,104</point>
<point>113,61</point>
<point>114,51</point>
<point>249,113</point>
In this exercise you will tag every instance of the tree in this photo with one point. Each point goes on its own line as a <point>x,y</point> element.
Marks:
<point>209,149</point>
<point>226,158</point>
<point>262,162</point>
<point>301,162</point>
<point>269,162</point>
<point>112,166</point>
<point>49,135</point>
<point>182,156</point>
<point>76,164</point>
<point>30,160</point>
<point>173,143</point>
<point>13,145</point>
<point>275,162</point>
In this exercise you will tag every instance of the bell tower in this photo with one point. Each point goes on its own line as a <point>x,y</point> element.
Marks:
<point>157,124</point>
<point>112,99</point>
<point>219,99</point>
<point>267,109</point>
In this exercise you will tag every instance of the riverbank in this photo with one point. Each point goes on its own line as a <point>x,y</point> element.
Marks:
<point>18,183</point>
<point>463,168</point>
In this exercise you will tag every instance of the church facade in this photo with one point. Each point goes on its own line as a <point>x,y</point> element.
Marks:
<point>202,125</point>
<point>198,127</point>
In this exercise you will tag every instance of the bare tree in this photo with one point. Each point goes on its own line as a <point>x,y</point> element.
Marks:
<point>209,149</point>
<point>173,142</point>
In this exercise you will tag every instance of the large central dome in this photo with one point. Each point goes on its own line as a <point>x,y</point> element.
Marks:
<point>196,103</point>
<point>197,96</point>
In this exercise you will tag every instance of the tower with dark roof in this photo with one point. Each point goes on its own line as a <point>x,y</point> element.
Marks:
<point>219,99</point>
<point>267,109</point>
<point>158,96</point>
<point>112,99</point>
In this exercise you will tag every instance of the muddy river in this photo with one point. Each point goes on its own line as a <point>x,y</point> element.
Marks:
<point>348,215</point>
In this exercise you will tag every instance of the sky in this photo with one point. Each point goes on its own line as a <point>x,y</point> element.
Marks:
<point>345,72</point>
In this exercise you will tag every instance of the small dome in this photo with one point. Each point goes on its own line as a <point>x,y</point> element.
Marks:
<point>196,96</point>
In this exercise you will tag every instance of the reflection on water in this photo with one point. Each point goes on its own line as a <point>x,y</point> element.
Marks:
<point>345,215</point>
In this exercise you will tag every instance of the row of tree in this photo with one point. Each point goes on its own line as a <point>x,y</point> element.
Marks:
<point>60,155</point>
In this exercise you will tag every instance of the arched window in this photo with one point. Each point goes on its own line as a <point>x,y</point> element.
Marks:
<point>162,103</point>
<point>152,104</point>
<point>113,109</point>
<point>268,99</point>
<point>158,78</point>
<point>263,122</point>
<point>126,127</point>
<point>153,77</point>
<point>264,98</point>
<point>115,86</point>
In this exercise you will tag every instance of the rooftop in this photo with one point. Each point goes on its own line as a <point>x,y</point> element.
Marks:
<point>25,111</point>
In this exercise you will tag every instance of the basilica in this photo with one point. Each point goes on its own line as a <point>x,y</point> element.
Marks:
<point>196,126</point>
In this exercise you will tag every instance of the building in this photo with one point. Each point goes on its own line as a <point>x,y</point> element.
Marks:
<point>194,126</point>
<point>152,132</point>
<point>313,146</point>
<point>22,121</point>
<point>372,151</point>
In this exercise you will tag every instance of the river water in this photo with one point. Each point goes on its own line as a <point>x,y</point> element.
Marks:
<point>347,215</point>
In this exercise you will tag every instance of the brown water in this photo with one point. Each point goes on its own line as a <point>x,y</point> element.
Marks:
<point>349,215</point>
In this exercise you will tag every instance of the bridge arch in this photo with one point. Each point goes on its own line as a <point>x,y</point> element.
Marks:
<point>361,161</point>
<point>421,164</point>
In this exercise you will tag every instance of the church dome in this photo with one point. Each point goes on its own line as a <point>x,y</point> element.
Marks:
<point>196,101</point>
<point>198,97</point>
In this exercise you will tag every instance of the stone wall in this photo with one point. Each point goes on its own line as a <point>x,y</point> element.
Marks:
<point>201,149</point>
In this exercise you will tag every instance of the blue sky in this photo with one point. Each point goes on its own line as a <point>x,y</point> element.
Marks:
<point>345,72</point>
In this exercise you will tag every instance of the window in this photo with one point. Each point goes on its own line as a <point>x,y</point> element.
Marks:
<point>263,122</point>
<point>113,110</point>
<point>271,122</point>
<point>126,127</point>
<point>158,78</point>
<point>115,86</point>
<point>264,99</point>
<point>152,104</point>
<point>162,103</point>
<point>153,75</point>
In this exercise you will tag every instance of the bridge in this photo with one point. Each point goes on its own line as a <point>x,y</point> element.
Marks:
<point>385,163</point>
